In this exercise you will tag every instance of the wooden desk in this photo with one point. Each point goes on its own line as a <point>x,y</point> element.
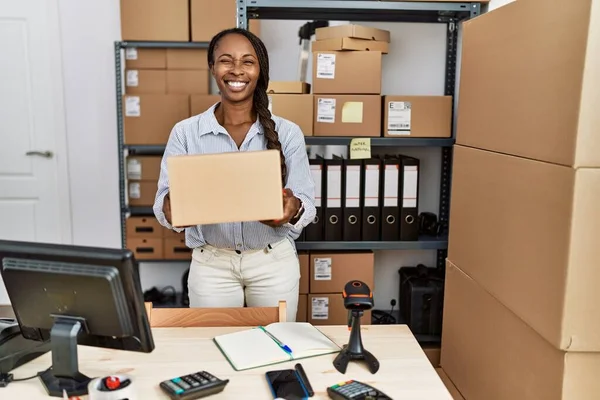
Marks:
<point>405,371</point>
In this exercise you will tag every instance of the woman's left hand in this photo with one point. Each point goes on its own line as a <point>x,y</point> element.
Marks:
<point>291,205</point>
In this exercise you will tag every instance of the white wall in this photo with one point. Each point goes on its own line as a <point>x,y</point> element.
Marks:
<point>415,65</point>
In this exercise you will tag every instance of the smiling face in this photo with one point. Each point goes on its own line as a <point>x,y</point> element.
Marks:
<point>236,69</point>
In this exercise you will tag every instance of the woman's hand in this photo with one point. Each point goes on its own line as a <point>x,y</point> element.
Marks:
<point>167,208</point>
<point>291,205</point>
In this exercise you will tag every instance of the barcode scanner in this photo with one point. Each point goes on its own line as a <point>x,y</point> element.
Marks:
<point>357,299</point>
<point>357,296</point>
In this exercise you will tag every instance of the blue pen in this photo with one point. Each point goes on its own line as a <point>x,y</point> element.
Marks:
<point>283,346</point>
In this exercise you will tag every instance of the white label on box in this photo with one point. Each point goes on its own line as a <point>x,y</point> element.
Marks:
<point>132,78</point>
<point>320,308</point>
<point>322,269</point>
<point>132,106</point>
<point>271,104</point>
<point>326,110</point>
<point>399,113</point>
<point>131,53</point>
<point>409,192</point>
<point>134,169</point>
<point>325,66</point>
<point>135,191</point>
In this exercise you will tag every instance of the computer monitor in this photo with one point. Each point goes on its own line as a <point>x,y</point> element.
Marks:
<point>75,295</point>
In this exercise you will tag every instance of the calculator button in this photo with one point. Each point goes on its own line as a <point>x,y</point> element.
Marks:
<point>174,387</point>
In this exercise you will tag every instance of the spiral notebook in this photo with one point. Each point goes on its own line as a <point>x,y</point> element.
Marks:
<point>256,347</point>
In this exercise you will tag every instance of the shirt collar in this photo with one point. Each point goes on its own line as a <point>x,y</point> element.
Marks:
<point>208,124</point>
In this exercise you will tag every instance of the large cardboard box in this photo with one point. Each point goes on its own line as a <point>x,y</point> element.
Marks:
<point>150,118</point>
<point>449,385</point>
<point>187,59</point>
<point>159,20</point>
<point>245,186</point>
<point>528,232</point>
<point>143,168</point>
<point>417,116</point>
<point>298,108</point>
<point>141,193</point>
<point>346,72</point>
<point>146,248</point>
<point>145,81</point>
<point>288,87</point>
<point>347,43</point>
<point>147,227</point>
<point>490,353</point>
<point>347,115</point>
<point>176,249</point>
<point>330,272</point>
<point>532,90</point>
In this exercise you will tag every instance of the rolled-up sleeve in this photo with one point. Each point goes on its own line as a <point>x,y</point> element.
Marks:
<point>299,177</point>
<point>176,145</point>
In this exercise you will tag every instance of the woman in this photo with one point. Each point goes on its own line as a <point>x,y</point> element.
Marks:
<point>252,262</point>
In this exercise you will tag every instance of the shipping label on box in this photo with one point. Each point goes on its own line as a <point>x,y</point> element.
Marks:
<point>347,115</point>
<point>346,72</point>
<point>320,308</point>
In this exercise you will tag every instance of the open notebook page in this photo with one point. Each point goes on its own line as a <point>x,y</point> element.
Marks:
<point>303,338</point>
<point>250,348</point>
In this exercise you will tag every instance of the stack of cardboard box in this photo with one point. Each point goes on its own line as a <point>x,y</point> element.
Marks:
<point>522,299</point>
<point>292,100</point>
<point>346,80</point>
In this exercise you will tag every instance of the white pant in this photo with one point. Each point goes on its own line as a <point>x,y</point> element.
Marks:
<point>225,278</point>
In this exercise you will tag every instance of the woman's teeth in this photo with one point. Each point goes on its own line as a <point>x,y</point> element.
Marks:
<point>236,84</point>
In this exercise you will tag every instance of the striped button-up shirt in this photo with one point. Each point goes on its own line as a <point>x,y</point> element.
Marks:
<point>202,134</point>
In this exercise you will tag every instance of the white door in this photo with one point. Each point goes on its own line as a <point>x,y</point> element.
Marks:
<point>34,193</point>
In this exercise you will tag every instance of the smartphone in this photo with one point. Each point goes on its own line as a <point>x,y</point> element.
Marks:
<point>286,384</point>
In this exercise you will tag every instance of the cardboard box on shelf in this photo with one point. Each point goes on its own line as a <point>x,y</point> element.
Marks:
<point>330,272</point>
<point>417,116</point>
<point>527,232</point>
<point>150,118</point>
<point>141,193</point>
<point>209,18</point>
<point>202,102</point>
<point>176,249</point>
<point>143,227</point>
<point>188,82</point>
<point>449,385</point>
<point>146,248</point>
<point>288,87</point>
<point>352,31</point>
<point>328,309</point>
<point>190,59</point>
<point>490,353</point>
<point>349,44</point>
<point>145,81</point>
<point>245,186</point>
<point>298,108</point>
<point>347,115</point>
<point>145,58</point>
<point>143,168</point>
<point>155,20</point>
<point>346,72</point>
<point>303,258</point>
<point>302,314</point>
<point>535,104</point>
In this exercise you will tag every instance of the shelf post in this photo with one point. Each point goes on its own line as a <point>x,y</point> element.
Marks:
<point>120,140</point>
<point>242,14</point>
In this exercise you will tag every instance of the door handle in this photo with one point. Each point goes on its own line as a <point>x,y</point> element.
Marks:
<point>47,154</point>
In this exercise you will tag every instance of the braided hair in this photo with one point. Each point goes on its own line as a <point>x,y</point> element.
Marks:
<point>260,97</point>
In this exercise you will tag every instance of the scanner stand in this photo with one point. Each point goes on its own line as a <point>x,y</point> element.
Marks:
<point>354,350</point>
<point>64,374</point>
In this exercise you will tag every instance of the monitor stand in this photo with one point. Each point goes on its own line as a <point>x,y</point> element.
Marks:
<point>64,374</point>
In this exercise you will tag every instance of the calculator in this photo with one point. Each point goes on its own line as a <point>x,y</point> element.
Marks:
<point>355,390</point>
<point>193,386</point>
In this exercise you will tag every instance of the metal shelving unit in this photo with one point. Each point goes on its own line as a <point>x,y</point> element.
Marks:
<point>449,13</point>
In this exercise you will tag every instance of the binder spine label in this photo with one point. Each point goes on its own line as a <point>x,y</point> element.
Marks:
<point>326,110</point>
<point>317,171</point>
<point>372,186</point>
<point>326,66</point>
<point>409,193</point>
<point>334,186</point>
<point>322,269</point>
<point>352,186</point>
<point>399,116</point>
<point>320,308</point>
<point>390,195</point>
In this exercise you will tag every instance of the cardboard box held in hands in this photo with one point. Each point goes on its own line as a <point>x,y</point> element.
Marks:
<point>225,187</point>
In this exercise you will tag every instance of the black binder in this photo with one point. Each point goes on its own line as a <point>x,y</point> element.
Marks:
<point>351,200</point>
<point>409,208</point>
<point>371,200</point>
<point>314,231</point>
<point>390,225</point>
<point>333,199</point>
